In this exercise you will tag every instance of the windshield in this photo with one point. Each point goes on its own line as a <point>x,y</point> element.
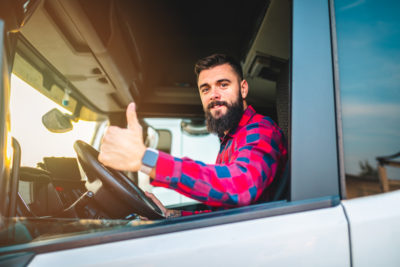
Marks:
<point>27,108</point>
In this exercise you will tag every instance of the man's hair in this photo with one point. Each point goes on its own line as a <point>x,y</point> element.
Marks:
<point>216,60</point>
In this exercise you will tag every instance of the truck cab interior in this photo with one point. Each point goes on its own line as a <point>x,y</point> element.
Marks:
<point>92,58</point>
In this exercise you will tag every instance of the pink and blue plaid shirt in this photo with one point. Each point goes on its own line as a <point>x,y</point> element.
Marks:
<point>250,158</point>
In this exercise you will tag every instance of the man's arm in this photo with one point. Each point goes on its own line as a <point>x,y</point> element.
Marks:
<point>254,165</point>
<point>241,182</point>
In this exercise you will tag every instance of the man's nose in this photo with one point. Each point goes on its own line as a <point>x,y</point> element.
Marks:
<point>215,95</point>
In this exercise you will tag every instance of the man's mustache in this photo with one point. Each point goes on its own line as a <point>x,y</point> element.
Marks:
<point>217,103</point>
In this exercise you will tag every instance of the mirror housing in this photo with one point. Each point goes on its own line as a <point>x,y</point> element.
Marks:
<point>152,137</point>
<point>194,127</point>
<point>57,122</point>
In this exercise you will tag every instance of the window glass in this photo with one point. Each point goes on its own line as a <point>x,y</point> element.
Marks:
<point>368,37</point>
<point>27,108</point>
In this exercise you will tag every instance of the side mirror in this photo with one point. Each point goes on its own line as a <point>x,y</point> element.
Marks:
<point>164,140</point>
<point>152,137</point>
<point>194,126</point>
<point>57,122</point>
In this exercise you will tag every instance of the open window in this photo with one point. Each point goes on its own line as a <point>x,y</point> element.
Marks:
<point>96,57</point>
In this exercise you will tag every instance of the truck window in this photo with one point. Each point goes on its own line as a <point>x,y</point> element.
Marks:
<point>368,38</point>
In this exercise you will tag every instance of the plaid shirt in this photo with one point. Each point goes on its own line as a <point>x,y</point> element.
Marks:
<point>249,159</point>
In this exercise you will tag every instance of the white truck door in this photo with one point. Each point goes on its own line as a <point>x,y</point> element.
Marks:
<point>375,229</point>
<point>311,238</point>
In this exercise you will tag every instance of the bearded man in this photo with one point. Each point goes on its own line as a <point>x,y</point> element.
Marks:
<point>252,155</point>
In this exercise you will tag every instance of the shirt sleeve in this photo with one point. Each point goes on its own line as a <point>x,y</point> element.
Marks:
<point>189,213</point>
<point>254,162</point>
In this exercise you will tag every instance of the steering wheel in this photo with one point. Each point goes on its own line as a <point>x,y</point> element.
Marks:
<point>121,187</point>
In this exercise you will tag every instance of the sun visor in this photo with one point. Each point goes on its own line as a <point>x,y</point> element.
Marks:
<point>94,58</point>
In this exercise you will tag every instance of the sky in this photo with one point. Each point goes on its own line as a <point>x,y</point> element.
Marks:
<point>369,68</point>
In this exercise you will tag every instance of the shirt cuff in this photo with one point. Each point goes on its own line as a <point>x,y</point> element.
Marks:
<point>167,166</point>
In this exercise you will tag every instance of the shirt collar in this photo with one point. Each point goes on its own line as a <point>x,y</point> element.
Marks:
<point>247,115</point>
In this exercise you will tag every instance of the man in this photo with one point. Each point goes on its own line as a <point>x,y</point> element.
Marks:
<point>252,154</point>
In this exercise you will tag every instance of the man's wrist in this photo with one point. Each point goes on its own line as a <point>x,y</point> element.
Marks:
<point>149,161</point>
<point>145,169</point>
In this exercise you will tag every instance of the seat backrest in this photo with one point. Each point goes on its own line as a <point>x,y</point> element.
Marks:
<point>282,99</point>
<point>282,186</point>
<point>282,110</point>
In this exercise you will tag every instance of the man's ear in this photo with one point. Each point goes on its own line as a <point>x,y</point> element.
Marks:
<point>244,88</point>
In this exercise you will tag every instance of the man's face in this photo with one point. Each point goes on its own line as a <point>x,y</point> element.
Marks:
<point>219,88</point>
<point>222,95</point>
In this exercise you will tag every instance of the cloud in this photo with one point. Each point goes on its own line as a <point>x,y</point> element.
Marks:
<point>355,4</point>
<point>350,109</point>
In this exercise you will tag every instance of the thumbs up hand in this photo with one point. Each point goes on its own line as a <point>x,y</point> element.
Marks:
<point>123,149</point>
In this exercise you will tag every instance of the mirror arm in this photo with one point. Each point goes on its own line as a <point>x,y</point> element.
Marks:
<point>77,112</point>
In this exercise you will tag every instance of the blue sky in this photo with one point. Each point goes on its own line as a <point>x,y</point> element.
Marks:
<point>369,66</point>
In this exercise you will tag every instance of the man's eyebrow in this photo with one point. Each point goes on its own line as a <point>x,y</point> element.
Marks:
<point>204,84</point>
<point>219,81</point>
<point>223,80</point>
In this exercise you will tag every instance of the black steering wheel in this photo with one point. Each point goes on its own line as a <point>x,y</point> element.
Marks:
<point>126,194</point>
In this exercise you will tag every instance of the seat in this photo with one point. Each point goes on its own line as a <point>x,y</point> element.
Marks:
<point>283,113</point>
<point>282,186</point>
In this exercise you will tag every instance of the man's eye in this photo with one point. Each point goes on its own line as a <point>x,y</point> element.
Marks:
<point>204,90</point>
<point>223,85</point>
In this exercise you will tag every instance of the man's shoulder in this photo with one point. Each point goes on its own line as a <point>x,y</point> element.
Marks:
<point>258,126</point>
<point>259,120</point>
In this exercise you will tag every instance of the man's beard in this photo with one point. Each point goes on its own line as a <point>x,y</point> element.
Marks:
<point>226,122</point>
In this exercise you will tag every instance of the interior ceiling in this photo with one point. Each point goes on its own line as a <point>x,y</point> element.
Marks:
<point>172,35</point>
<point>145,50</point>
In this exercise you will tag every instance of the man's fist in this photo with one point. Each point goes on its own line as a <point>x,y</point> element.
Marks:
<point>123,149</point>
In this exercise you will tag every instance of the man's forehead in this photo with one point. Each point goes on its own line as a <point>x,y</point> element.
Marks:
<point>214,74</point>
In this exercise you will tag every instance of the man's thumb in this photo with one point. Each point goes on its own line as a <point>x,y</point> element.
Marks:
<point>131,117</point>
